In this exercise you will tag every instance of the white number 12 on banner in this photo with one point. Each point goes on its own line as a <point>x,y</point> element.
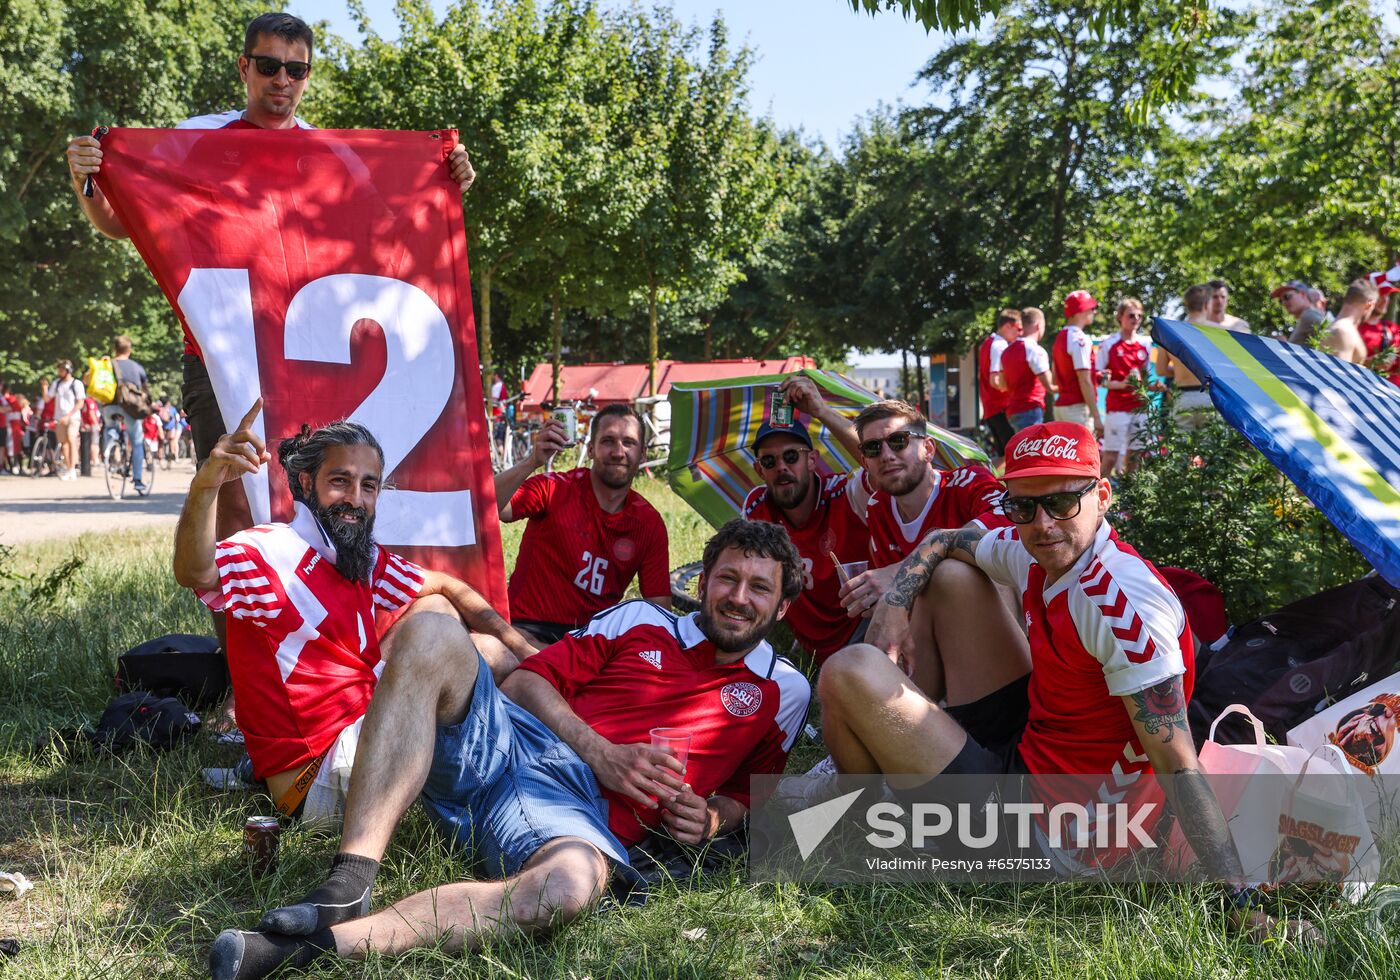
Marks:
<point>419,373</point>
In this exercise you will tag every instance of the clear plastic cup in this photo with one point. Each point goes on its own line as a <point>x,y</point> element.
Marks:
<point>675,741</point>
<point>851,569</point>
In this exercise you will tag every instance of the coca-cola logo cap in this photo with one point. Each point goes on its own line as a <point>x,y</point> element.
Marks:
<point>1052,449</point>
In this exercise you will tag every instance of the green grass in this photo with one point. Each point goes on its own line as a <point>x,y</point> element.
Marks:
<point>137,869</point>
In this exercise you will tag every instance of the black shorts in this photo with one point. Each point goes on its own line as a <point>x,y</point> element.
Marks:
<point>999,429</point>
<point>994,724</point>
<point>545,632</point>
<point>201,408</point>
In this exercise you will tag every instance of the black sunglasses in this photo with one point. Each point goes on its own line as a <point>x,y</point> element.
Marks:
<point>790,456</point>
<point>296,70</point>
<point>1061,506</point>
<point>898,441</point>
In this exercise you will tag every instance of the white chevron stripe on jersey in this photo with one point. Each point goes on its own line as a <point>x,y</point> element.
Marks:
<point>386,589</point>
<point>251,598</point>
<point>253,581</point>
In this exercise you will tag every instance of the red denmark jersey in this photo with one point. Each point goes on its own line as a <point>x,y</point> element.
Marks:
<point>1119,358</point>
<point>1378,335</point>
<point>989,354</point>
<point>1073,351</point>
<point>637,667</point>
<point>1109,627</point>
<point>14,418</point>
<point>1022,364</point>
<point>303,653</point>
<point>837,524</point>
<point>576,559</point>
<point>959,496</point>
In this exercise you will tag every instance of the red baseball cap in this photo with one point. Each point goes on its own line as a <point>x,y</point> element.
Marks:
<point>1079,301</point>
<point>1052,449</point>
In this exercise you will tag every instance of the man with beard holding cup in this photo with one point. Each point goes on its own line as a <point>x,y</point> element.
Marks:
<point>301,598</point>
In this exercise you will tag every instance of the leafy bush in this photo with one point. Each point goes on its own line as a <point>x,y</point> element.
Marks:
<point>1208,501</point>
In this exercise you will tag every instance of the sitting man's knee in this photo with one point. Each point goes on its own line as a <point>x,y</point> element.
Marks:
<point>431,637</point>
<point>951,579</point>
<point>561,887</point>
<point>849,669</point>
<point>433,602</point>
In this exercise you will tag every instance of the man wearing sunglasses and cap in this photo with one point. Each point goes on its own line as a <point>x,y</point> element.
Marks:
<point>824,516</point>
<point>275,68</point>
<point>1099,687</point>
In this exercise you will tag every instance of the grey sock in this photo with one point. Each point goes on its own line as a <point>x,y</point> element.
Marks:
<point>344,895</point>
<point>241,955</point>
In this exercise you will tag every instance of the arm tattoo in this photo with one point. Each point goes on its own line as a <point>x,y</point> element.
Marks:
<point>1162,708</point>
<point>1204,825</point>
<point>915,571</point>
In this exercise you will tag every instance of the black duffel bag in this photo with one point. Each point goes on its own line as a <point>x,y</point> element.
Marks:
<point>1299,660</point>
<point>161,723</point>
<point>181,665</point>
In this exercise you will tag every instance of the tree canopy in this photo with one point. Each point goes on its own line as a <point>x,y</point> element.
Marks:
<point>630,204</point>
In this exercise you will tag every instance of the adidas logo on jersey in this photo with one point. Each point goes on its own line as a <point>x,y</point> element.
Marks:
<point>652,657</point>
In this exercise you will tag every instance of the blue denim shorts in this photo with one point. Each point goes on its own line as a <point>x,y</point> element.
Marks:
<point>503,785</point>
<point>1026,419</point>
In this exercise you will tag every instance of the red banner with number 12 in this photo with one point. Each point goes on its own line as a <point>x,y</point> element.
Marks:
<point>327,271</point>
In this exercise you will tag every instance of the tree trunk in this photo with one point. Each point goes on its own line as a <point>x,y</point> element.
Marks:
<point>709,340</point>
<point>651,338</point>
<point>556,334</point>
<point>483,332</point>
<point>919,371</point>
<point>1064,170</point>
<point>904,374</point>
<point>776,339</point>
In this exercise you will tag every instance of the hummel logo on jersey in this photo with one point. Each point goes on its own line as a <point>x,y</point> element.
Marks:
<point>311,564</point>
<point>652,657</point>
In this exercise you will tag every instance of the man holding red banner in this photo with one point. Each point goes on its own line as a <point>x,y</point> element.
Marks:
<point>275,67</point>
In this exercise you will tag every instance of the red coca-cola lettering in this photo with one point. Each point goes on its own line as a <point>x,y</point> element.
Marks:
<point>1054,447</point>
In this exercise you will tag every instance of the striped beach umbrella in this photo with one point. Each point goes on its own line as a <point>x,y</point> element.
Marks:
<point>713,424</point>
<point>1330,426</point>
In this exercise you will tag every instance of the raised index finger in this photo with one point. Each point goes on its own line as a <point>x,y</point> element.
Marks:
<point>252,414</point>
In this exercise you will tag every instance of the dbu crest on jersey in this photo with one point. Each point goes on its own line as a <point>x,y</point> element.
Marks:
<point>624,549</point>
<point>740,698</point>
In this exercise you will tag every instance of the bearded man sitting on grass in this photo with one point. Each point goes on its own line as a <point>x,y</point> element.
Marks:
<point>548,777</point>
<point>301,600</point>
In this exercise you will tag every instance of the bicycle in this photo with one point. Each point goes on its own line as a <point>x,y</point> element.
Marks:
<point>43,455</point>
<point>117,461</point>
<point>510,441</point>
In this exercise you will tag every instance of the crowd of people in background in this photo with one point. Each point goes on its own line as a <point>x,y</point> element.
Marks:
<point>63,425</point>
<point>1102,383</point>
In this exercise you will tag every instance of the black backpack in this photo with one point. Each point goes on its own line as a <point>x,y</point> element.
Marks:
<point>179,665</point>
<point>161,723</point>
<point>1299,660</point>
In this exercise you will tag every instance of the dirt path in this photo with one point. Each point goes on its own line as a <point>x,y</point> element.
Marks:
<point>46,508</point>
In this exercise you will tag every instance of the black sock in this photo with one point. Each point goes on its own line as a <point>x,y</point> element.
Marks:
<point>343,896</point>
<point>239,955</point>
